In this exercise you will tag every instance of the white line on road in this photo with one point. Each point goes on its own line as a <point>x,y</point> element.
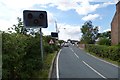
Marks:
<point>74,53</point>
<point>57,69</point>
<point>94,70</point>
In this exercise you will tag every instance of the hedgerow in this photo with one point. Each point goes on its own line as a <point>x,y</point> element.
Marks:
<point>21,55</point>
<point>111,52</point>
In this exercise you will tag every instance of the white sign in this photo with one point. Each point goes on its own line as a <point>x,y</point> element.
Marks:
<point>51,42</point>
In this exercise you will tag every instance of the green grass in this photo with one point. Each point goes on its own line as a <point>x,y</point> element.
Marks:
<point>106,59</point>
<point>46,67</point>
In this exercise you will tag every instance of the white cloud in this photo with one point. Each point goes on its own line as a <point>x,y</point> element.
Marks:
<point>68,31</point>
<point>90,17</point>
<point>84,8</point>
<point>105,4</point>
<point>4,25</point>
<point>51,18</point>
<point>11,9</point>
<point>19,4</point>
<point>46,32</point>
<point>106,30</point>
<point>65,5</point>
<point>101,30</point>
<point>116,1</point>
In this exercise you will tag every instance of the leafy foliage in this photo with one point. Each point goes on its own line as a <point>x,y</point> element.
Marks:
<point>18,28</point>
<point>111,52</point>
<point>104,41</point>
<point>13,52</point>
<point>104,38</point>
<point>89,34</point>
<point>21,53</point>
<point>106,34</point>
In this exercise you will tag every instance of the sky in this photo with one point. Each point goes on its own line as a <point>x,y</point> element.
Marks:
<point>70,15</point>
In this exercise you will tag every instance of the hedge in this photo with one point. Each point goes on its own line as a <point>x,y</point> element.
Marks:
<point>111,52</point>
<point>21,55</point>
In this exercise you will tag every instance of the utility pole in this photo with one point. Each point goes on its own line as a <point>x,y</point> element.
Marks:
<point>56,26</point>
<point>57,29</point>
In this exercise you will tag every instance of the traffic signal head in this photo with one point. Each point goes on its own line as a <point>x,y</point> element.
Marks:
<point>35,18</point>
<point>54,34</point>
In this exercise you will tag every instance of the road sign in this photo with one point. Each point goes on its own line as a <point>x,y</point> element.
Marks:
<point>35,19</point>
<point>51,42</point>
<point>54,34</point>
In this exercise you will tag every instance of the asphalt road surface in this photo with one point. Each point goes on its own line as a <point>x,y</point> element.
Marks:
<point>74,63</point>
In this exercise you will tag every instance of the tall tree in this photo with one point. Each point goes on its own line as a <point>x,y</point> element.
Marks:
<point>89,33</point>
<point>18,28</point>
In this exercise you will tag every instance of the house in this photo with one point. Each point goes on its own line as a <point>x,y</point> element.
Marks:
<point>115,26</point>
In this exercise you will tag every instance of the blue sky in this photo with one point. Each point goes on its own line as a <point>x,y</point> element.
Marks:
<point>69,14</point>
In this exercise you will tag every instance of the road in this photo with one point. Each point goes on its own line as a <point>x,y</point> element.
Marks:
<point>73,62</point>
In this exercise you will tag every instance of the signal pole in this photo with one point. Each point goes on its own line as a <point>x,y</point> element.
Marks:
<point>41,45</point>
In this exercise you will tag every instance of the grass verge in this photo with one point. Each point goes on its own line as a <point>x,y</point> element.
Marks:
<point>43,74</point>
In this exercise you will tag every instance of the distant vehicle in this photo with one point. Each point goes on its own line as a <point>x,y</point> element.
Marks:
<point>66,44</point>
<point>62,44</point>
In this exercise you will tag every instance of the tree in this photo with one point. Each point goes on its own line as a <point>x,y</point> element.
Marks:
<point>106,34</point>
<point>89,33</point>
<point>104,38</point>
<point>18,28</point>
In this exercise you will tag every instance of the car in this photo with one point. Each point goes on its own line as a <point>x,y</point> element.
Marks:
<point>66,45</point>
<point>62,44</point>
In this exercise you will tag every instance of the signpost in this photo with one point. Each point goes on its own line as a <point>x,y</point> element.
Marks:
<point>36,19</point>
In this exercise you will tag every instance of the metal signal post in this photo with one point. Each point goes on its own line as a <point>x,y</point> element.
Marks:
<point>36,19</point>
<point>41,44</point>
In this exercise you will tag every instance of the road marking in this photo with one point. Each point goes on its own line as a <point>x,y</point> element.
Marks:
<point>104,61</point>
<point>94,70</point>
<point>57,69</point>
<point>74,53</point>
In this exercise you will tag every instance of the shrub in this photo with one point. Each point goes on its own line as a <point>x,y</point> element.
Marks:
<point>21,55</point>
<point>104,41</point>
<point>111,52</point>
<point>13,52</point>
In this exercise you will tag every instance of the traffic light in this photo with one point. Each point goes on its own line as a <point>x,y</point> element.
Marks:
<point>54,34</point>
<point>35,18</point>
